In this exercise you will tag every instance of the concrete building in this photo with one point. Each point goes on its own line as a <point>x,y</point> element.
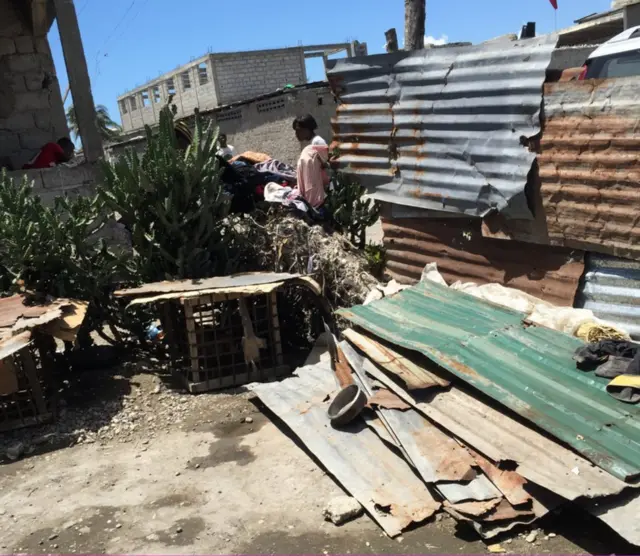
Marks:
<point>597,28</point>
<point>221,79</point>
<point>263,124</point>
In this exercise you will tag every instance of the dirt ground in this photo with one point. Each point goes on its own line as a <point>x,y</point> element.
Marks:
<point>136,466</point>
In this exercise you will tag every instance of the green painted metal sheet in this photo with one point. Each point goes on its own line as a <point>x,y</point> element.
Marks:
<point>529,369</point>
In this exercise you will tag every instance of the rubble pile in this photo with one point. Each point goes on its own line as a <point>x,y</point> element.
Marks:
<point>286,243</point>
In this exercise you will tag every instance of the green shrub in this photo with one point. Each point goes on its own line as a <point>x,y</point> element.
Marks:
<point>55,251</point>
<point>350,212</point>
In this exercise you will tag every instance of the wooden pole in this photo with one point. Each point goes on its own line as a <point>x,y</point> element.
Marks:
<point>415,15</point>
<point>79,81</point>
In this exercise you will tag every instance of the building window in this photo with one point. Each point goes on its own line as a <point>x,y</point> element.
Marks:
<point>132,103</point>
<point>203,76</point>
<point>171,87</point>
<point>186,81</point>
<point>145,99</point>
<point>156,94</point>
<point>123,107</point>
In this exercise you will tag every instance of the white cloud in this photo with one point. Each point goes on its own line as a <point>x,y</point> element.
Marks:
<point>432,41</point>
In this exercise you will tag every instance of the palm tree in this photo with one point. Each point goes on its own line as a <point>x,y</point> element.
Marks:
<point>106,126</point>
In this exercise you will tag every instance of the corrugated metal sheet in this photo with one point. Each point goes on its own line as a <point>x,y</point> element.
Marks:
<point>457,246</point>
<point>441,129</point>
<point>527,368</point>
<point>503,438</point>
<point>611,289</point>
<point>379,479</point>
<point>216,283</point>
<point>17,315</point>
<point>589,166</point>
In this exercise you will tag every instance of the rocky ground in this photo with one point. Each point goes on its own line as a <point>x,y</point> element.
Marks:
<point>136,465</point>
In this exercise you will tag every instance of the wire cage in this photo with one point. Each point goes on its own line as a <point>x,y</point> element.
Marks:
<point>26,374</point>
<point>207,336</point>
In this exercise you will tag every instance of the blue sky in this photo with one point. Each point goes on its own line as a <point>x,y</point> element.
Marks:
<point>128,42</point>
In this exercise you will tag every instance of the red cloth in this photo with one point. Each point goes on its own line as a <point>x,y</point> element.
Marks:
<point>50,155</point>
<point>554,3</point>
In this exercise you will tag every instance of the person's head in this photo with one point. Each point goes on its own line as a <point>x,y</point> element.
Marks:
<point>305,127</point>
<point>183,135</point>
<point>222,139</point>
<point>68,147</point>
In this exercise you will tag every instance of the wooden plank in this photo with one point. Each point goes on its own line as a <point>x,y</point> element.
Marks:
<point>29,366</point>
<point>192,337</point>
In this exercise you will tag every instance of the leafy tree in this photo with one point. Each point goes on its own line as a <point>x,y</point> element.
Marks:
<point>108,129</point>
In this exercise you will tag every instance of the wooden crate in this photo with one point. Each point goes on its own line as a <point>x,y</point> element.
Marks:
<point>32,403</point>
<point>205,336</point>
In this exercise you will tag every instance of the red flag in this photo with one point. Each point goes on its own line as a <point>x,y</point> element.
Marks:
<point>554,3</point>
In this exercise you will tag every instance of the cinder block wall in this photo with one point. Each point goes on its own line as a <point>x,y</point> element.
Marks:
<point>266,126</point>
<point>249,74</point>
<point>31,110</point>
<point>230,78</point>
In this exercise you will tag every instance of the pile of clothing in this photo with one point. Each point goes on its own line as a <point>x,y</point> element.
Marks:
<point>617,360</point>
<point>246,176</point>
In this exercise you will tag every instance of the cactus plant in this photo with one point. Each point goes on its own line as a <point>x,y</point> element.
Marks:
<point>173,203</point>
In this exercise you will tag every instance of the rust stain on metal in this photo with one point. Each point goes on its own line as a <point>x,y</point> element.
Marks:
<point>589,165</point>
<point>475,509</point>
<point>510,483</point>
<point>342,369</point>
<point>388,400</point>
<point>415,376</point>
<point>457,246</point>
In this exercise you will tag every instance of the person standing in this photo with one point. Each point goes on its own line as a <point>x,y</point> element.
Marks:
<point>225,151</point>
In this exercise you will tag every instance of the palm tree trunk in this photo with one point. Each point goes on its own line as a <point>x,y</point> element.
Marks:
<point>415,15</point>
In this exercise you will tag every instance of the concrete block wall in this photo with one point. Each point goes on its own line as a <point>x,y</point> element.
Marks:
<point>245,75</point>
<point>266,126</point>
<point>231,78</point>
<point>31,110</point>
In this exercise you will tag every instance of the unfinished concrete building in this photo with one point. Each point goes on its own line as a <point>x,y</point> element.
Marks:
<point>221,79</point>
<point>31,108</point>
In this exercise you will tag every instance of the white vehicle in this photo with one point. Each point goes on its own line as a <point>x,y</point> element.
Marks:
<point>618,57</point>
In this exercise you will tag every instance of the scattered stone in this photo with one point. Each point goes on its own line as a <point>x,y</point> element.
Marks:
<point>53,536</point>
<point>177,473</point>
<point>84,530</point>
<point>197,466</point>
<point>153,537</point>
<point>508,541</point>
<point>552,535</point>
<point>178,530</point>
<point>531,537</point>
<point>248,419</point>
<point>118,525</point>
<point>16,451</point>
<point>341,509</point>
<point>495,549</point>
<point>55,546</point>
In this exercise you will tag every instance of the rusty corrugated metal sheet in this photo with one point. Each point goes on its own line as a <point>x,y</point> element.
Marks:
<point>16,315</point>
<point>442,129</point>
<point>528,369</point>
<point>360,461</point>
<point>503,438</point>
<point>457,246</point>
<point>589,165</point>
